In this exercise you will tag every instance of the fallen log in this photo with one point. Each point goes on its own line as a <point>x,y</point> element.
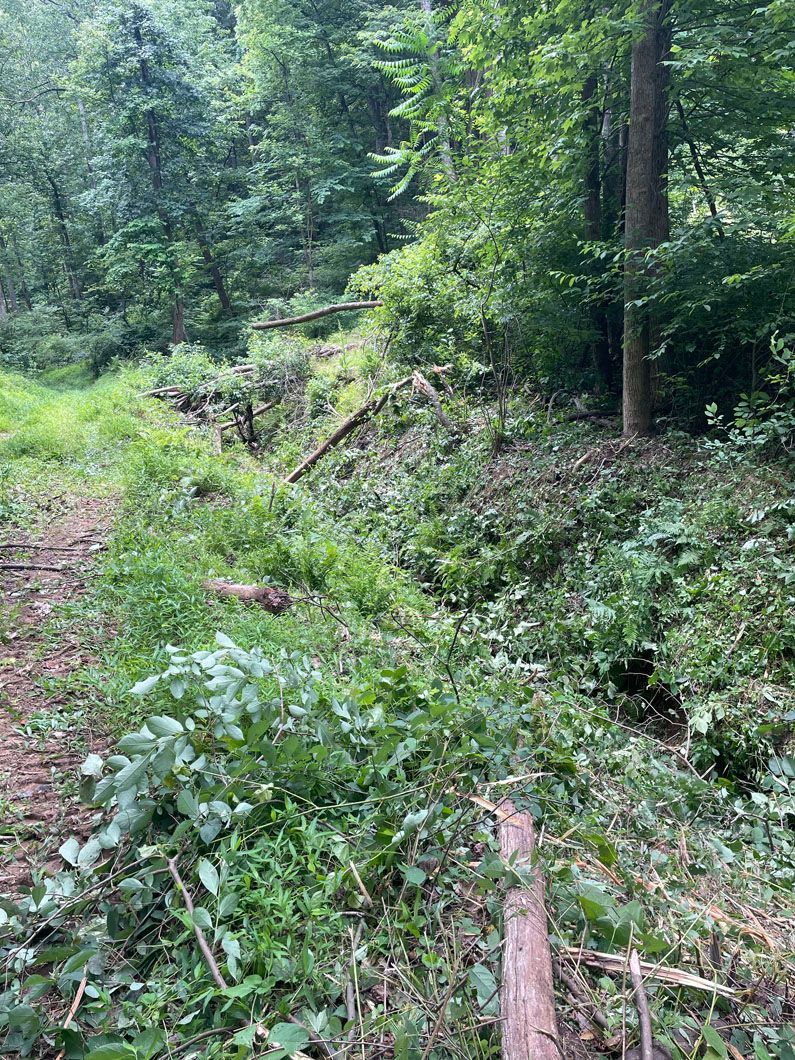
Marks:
<point>316,314</point>
<point>366,412</point>
<point>527,993</point>
<point>274,600</point>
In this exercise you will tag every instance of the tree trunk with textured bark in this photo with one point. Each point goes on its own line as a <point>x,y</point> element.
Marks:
<point>600,348</point>
<point>646,212</point>
<point>178,333</point>
<point>527,993</point>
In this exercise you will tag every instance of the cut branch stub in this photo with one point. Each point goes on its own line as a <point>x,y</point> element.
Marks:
<point>527,993</point>
<point>316,314</point>
<point>274,600</point>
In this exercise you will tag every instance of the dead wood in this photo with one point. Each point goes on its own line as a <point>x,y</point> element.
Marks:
<point>161,390</point>
<point>28,547</point>
<point>73,1010</point>
<point>642,1005</point>
<point>614,962</point>
<point>258,411</point>
<point>339,307</point>
<point>362,415</point>
<point>430,392</point>
<point>274,600</point>
<point>30,566</point>
<point>207,953</point>
<point>527,994</point>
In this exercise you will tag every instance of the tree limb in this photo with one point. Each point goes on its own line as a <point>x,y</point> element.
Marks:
<point>713,209</point>
<point>642,1004</point>
<point>207,953</point>
<point>340,307</point>
<point>366,412</point>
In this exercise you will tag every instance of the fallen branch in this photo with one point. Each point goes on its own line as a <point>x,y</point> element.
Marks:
<point>580,996</point>
<point>258,411</point>
<point>366,412</point>
<point>422,384</point>
<point>527,993</point>
<point>339,307</point>
<point>41,548</point>
<point>642,1005</point>
<point>611,962</point>
<point>73,1010</point>
<point>274,600</point>
<point>30,566</point>
<point>207,953</point>
<point>162,390</point>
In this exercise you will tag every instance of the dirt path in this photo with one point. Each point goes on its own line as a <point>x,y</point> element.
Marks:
<point>35,764</point>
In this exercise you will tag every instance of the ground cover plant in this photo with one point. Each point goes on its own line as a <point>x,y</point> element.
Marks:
<point>397,409</point>
<point>322,778</point>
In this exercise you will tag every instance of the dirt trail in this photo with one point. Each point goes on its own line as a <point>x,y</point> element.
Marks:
<point>33,767</point>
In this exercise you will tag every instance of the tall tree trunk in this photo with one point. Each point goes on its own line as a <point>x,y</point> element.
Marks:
<point>600,348</point>
<point>23,287</point>
<point>3,306</point>
<point>11,291</point>
<point>69,262</point>
<point>646,213</point>
<point>152,130</point>
<point>215,275</point>
<point>178,332</point>
<point>13,304</point>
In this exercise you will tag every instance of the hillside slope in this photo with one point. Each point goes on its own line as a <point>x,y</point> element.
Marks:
<point>600,631</point>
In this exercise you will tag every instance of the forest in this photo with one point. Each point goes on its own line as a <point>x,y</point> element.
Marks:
<point>397,597</point>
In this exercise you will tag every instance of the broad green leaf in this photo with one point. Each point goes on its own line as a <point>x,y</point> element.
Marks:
<point>70,850</point>
<point>208,874</point>
<point>714,1040</point>
<point>160,725</point>
<point>142,687</point>
<point>290,1037</point>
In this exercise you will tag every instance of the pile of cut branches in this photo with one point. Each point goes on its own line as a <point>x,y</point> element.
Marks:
<point>230,397</point>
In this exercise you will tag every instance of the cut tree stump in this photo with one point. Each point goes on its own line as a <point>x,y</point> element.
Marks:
<point>527,993</point>
<point>274,600</point>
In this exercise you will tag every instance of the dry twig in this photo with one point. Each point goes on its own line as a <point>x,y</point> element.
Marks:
<point>207,953</point>
<point>642,1005</point>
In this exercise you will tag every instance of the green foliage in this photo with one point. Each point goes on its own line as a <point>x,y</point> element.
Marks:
<point>765,419</point>
<point>352,731</point>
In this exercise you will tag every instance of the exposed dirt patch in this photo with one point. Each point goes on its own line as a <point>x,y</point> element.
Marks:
<point>54,564</point>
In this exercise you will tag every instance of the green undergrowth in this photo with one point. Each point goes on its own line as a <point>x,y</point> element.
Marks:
<point>601,634</point>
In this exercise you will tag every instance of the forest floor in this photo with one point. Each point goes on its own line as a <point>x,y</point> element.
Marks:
<point>38,757</point>
<point>601,632</point>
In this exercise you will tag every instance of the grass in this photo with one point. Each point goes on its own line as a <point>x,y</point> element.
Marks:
<point>458,620</point>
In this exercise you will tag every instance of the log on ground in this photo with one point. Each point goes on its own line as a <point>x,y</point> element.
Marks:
<point>366,412</point>
<point>274,600</point>
<point>527,994</point>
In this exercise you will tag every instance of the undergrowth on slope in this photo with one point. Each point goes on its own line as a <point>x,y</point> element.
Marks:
<point>603,635</point>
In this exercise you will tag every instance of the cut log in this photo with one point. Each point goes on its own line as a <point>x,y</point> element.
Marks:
<point>316,314</point>
<point>527,994</point>
<point>274,600</point>
<point>366,412</point>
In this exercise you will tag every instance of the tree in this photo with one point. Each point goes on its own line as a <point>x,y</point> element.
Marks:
<point>646,223</point>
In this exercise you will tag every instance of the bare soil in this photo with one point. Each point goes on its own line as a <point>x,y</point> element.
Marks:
<point>35,814</point>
